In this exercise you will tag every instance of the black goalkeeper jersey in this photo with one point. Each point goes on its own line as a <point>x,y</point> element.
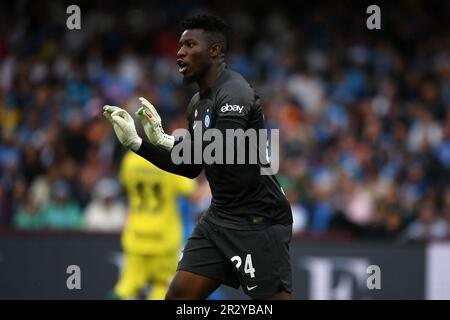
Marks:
<point>240,193</point>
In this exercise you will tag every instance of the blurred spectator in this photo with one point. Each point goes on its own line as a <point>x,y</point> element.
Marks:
<point>105,212</point>
<point>425,132</point>
<point>387,223</point>
<point>429,225</point>
<point>29,217</point>
<point>358,203</point>
<point>322,209</point>
<point>62,212</point>
<point>40,187</point>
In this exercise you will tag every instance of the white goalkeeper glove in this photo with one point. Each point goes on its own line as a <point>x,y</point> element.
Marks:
<point>151,121</point>
<point>123,126</point>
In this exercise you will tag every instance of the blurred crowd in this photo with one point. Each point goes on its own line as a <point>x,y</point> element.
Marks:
<point>364,115</point>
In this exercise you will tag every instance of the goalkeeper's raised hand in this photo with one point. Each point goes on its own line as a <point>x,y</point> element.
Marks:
<point>123,126</point>
<point>151,121</point>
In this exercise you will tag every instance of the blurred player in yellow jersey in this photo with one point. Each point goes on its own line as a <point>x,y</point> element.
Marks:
<point>152,237</point>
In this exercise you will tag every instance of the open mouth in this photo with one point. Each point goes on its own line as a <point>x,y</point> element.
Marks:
<point>182,65</point>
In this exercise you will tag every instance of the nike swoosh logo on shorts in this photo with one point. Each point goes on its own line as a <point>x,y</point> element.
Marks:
<point>251,288</point>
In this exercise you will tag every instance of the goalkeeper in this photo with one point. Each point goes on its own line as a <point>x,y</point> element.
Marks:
<point>243,238</point>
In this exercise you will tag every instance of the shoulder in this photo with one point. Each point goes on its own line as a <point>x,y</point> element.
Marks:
<point>234,83</point>
<point>127,158</point>
<point>234,88</point>
<point>195,98</point>
<point>124,162</point>
<point>131,161</point>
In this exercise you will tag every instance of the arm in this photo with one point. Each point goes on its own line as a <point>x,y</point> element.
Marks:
<point>162,159</point>
<point>125,130</point>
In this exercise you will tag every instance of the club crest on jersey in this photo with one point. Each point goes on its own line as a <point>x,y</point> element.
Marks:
<point>207,121</point>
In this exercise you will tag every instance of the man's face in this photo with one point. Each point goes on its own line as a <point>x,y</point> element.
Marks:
<point>193,55</point>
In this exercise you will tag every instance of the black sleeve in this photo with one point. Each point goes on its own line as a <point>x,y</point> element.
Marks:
<point>222,125</point>
<point>162,159</point>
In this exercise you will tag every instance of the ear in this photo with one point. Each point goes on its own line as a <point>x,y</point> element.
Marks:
<point>215,50</point>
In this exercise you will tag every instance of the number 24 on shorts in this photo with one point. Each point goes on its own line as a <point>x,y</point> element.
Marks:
<point>248,267</point>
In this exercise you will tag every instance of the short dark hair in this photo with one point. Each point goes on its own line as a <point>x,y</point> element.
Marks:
<point>213,25</point>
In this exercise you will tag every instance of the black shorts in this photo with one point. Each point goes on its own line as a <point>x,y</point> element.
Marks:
<point>258,260</point>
